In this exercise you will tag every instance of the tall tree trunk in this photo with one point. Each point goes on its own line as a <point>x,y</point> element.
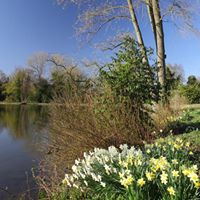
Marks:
<point>137,30</point>
<point>152,20</point>
<point>160,44</point>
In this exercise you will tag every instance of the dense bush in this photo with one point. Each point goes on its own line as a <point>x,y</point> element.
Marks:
<point>129,77</point>
<point>163,170</point>
<point>191,90</point>
<point>130,81</point>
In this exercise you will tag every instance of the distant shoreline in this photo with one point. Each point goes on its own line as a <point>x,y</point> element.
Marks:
<point>21,103</point>
<point>188,106</point>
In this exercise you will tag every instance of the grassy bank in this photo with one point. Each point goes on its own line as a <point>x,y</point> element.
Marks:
<point>191,124</point>
<point>192,137</point>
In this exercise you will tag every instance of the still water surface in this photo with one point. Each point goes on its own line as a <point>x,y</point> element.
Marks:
<point>23,130</point>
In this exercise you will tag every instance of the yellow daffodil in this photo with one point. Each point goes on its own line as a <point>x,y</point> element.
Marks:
<point>174,161</point>
<point>193,177</point>
<point>169,143</point>
<point>187,144</point>
<point>164,178</point>
<point>191,173</point>
<point>148,151</point>
<point>150,176</point>
<point>194,167</point>
<point>175,173</point>
<point>124,164</point>
<point>190,153</point>
<point>126,181</point>
<point>177,146</point>
<point>161,164</point>
<point>186,172</point>
<point>179,140</point>
<point>141,182</point>
<point>197,184</point>
<point>171,190</point>
<point>139,162</point>
<point>66,181</point>
<point>130,159</point>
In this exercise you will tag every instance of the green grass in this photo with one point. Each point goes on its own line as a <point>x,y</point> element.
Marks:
<point>193,114</point>
<point>192,106</point>
<point>188,127</point>
<point>192,137</point>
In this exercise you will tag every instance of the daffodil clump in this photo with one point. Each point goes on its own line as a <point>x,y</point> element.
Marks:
<point>161,171</point>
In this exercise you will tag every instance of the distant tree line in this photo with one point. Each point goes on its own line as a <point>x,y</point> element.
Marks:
<point>190,88</point>
<point>49,76</point>
<point>45,77</point>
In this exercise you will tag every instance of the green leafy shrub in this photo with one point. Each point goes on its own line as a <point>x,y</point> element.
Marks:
<point>163,170</point>
<point>129,81</point>
<point>191,90</point>
<point>129,77</point>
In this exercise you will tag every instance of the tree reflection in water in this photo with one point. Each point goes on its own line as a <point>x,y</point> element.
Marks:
<point>23,131</point>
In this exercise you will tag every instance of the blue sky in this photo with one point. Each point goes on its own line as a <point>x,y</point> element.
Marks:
<point>28,26</point>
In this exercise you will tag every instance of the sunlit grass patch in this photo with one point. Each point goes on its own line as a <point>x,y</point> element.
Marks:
<point>192,137</point>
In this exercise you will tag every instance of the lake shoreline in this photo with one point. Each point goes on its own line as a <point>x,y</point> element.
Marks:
<point>187,106</point>
<point>35,104</point>
<point>21,103</point>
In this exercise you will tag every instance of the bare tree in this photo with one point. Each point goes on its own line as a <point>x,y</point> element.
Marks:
<point>36,64</point>
<point>100,14</point>
<point>137,29</point>
<point>96,15</point>
<point>3,77</point>
<point>178,12</point>
<point>178,71</point>
<point>68,79</point>
<point>152,20</point>
<point>181,13</point>
<point>68,67</point>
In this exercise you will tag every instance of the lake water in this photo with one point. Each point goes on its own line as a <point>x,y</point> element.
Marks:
<point>23,130</point>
